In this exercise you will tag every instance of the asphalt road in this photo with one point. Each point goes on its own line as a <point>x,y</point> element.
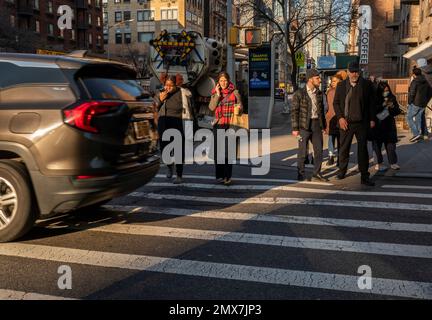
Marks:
<point>261,238</point>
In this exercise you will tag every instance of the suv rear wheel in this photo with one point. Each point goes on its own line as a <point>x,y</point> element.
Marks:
<point>16,213</point>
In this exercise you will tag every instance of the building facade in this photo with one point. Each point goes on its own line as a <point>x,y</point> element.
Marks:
<point>129,25</point>
<point>29,25</point>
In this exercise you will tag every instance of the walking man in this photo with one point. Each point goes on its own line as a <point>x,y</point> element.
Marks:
<point>308,123</point>
<point>418,97</point>
<point>354,105</point>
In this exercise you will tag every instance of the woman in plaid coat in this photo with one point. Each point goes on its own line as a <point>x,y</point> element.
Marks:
<point>224,100</point>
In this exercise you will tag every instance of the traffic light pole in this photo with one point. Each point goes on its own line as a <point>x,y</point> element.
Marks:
<point>230,49</point>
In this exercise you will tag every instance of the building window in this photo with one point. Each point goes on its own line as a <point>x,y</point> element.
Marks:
<point>90,18</point>
<point>145,36</point>
<point>126,15</point>
<point>36,4</point>
<point>145,15</point>
<point>37,26</point>
<point>105,38</point>
<point>169,14</point>
<point>50,7</point>
<point>116,1</point>
<point>99,21</point>
<point>127,38</point>
<point>99,41</point>
<point>105,18</point>
<point>12,21</point>
<point>118,38</point>
<point>118,16</point>
<point>50,29</point>
<point>90,39</point>
<point>72,34</point>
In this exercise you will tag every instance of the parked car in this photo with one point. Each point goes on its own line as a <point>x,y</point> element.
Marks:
<point>74,133</point>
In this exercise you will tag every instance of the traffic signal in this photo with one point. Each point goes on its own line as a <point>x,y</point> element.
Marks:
<point>253,37</point>
<point>233,36</point>
<point>215,55</point>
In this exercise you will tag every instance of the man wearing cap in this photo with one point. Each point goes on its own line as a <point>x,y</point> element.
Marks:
<point>308,123</point>
<point>354,105</point>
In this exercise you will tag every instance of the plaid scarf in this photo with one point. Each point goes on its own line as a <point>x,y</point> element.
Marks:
<point>225,109</point>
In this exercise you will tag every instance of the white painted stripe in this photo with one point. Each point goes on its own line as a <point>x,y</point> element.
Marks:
<point>227,215</point>
<point>294,156</point>
<point>402,186</point>
<point>282,200</point>
<point>388,249</point>
<point>21,295</point>
<point>277,276</point>
<point>254,180</point>
<point>292,189</point>
<point>413,174</point>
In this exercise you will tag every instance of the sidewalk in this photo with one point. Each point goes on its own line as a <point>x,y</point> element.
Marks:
<point>415,159</point>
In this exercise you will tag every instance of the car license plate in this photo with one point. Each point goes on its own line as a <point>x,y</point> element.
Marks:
<point>142,129</point>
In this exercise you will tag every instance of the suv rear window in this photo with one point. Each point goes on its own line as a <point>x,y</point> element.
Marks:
<point>111,82</point>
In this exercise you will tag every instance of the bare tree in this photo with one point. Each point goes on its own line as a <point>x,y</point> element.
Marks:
<point>301,21</point>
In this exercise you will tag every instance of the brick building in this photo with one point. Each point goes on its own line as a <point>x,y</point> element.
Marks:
<point>28,25</point>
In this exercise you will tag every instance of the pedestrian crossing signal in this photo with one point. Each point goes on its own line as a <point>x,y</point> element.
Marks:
<point>253,37</point>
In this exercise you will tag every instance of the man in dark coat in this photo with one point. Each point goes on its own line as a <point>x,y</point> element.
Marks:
<point>308,123</point>
<point>354,105</point>
<point>418,98</point>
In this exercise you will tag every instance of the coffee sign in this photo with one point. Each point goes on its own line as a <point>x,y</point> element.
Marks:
<point>364,46</point>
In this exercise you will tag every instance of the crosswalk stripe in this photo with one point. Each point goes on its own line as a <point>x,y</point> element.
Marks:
<point>389,249</point>
<point>298,278</point>
<point>292,189</point>
<point>402,186</point>
<point>226,215</point>
<point>292,201</point>
<point>287,181</point>
<point>6,294</point>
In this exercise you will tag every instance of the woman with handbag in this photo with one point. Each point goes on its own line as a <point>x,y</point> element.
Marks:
<point>172,104</point>
<point>226,104</point>
<point>386,132</point>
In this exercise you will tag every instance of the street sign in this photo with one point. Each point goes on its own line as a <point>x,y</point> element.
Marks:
<point>309,63</point>
<point>327,62</point>
<point>300,59</point>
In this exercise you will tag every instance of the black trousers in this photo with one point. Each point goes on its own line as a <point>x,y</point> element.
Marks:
<point>166,123</point>
<point>390,149</point>
<point>223,170</point>
<point>315,135</point>
<point>359,130</point>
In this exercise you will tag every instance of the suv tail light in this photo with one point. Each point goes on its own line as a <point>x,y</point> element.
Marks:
<point>81,115</point>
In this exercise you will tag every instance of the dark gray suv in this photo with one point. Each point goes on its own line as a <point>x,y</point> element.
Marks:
<point>74,133</point>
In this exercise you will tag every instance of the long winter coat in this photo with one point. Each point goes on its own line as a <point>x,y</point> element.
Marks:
<point>385,130</point>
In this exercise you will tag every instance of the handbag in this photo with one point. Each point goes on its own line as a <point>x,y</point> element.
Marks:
<point>383,114</point>
<point>238,119</point>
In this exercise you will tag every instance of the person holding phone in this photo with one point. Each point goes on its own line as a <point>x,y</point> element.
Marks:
<point>172,104</point>
<point>225,102</point>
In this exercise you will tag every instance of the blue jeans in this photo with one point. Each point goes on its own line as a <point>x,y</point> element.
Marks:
<point>414,118</point>
<point>331,145</point>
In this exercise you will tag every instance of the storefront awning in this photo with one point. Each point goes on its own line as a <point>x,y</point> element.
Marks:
<point>422,51</point>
